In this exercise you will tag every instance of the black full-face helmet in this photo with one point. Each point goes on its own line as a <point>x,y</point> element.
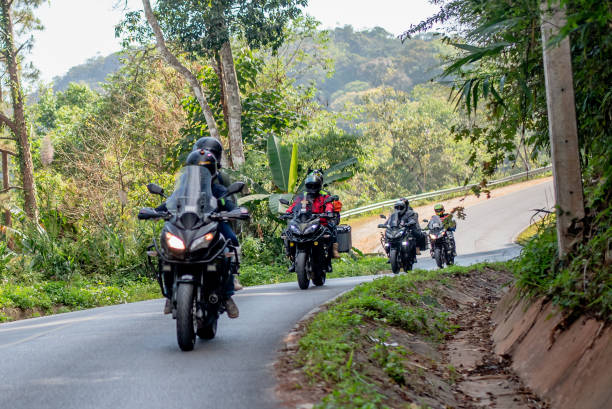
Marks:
<point>314,182</point>
<point>400,206</point>
<point>203,158</point>
<point>210,144</point>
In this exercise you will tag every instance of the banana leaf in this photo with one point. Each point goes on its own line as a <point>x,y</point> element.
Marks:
<point>338,177</point>
<point>279,158</point>
<point>277,207</point>
<point>339,166</point>
<point>293,169</point>
<point>253,198</point>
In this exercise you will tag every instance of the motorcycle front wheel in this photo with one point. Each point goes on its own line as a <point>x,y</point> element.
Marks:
<point>438,256</point>
<point>208,331</point>
<point>300,269</point>
<point>185,317</point>
<point>395,262</point>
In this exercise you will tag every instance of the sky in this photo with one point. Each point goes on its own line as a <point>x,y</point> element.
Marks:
<point>76,30</point>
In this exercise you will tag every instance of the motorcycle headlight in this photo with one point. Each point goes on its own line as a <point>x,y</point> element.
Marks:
<point>201,242</point>
<point>312,228</point>
<point>294,228</point>
<point>175,243</point>
<point>433,236</point>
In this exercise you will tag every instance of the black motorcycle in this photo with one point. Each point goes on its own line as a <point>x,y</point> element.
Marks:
<point>309,241</point>
<point>399,243</point>
<point>442,249</point>
<point>193,258</point>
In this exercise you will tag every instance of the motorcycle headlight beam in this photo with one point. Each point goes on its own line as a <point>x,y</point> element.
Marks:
<point>174,243</point>
<point>311,228</point>
<point>202,242</point>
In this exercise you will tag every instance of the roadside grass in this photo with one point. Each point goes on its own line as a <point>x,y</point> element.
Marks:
<point>26,299</point>
<point>533,229</point>
<point>18,300</point>
<point>360,323</point>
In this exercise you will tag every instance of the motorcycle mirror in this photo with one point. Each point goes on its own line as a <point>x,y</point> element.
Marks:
<point>284,201</point>
<point>155,189</point>
<point>425,221</point>
<point>381,226</point>
<point>235,188</point>
<point>147,213</point>
<point>382,216</point>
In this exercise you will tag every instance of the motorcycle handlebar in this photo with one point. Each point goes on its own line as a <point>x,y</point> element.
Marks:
<point>238,214</point>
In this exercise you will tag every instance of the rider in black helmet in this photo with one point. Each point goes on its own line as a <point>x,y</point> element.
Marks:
<point>408,217</point>
<point>213,146</point>
<point>208,159</point>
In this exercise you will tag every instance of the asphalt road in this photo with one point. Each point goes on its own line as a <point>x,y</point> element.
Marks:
<point>126,356</point>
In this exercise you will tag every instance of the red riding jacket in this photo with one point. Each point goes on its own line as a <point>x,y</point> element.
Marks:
<point>318,205</point>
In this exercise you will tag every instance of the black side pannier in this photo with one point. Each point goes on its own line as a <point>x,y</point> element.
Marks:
<point>345,242</point>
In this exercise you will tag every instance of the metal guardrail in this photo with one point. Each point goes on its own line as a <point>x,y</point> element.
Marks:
<point>428,195</point>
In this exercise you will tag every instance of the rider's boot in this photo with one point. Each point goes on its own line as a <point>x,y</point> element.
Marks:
<point>418,251</point>
<point>335,252</point>
<point>168,306</point>
<point>235,268</point>
<point>231,308</point>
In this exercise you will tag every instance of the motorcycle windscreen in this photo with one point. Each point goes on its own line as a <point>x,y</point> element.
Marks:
<point>192,193</point>
<point>435,223</point>
<point>394,220</point>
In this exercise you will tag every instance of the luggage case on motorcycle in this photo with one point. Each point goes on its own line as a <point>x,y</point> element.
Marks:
<point>344,238</point>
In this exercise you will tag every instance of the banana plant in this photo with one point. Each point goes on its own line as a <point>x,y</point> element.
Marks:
<point>283,163</point>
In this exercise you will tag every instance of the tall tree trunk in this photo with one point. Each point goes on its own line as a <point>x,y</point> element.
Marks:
<point>216,64</point>
<point>563,130</point>
<point>234,106</point>
<point>184,71</point>
<point>19,126</point>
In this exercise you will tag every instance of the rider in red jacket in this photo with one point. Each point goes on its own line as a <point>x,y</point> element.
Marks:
<point>315,200</point>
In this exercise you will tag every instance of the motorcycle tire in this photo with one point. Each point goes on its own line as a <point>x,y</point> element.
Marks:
<point>439,257</point>
<point>185,317</point>
<point>208,331</point>
<point>395,262</point>
<point>300,269</point>
<point>319,279</point>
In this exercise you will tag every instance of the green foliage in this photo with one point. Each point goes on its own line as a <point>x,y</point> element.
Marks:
<point>48,296</point>
<point>583,285</point>
<point>373,58</point>
<point>282,164</point>
<point>203,27</point>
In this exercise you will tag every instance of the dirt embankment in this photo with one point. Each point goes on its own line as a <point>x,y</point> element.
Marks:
<point>567,363</point>
<point>463,371</point>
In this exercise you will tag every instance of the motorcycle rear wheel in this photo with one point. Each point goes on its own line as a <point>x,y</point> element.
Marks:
<point>185,317</point>
<point>208,331</point>
<point>395,262</point>
<point>300,269</point>
<point>439,257</point>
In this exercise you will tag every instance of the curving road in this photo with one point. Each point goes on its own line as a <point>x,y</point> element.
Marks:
<point>126,356</point>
